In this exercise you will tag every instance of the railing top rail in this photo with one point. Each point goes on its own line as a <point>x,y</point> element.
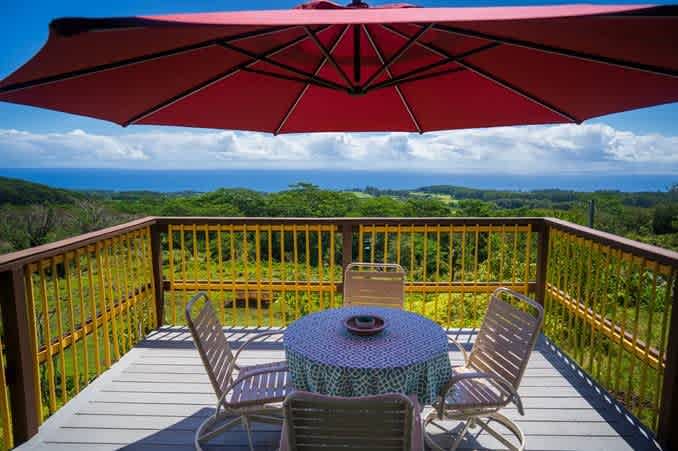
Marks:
<point>22,257</point>
<point>179,220</point>
<point>654,253</point>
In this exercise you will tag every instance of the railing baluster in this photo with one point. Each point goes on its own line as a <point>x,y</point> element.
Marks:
<point>130,295</point>
<point>93,312</point>
<point>103,306</point>
<point>437,276</point>
<point>47,338</point>
<point>71,315</point>
<point>234,276</point>
<point>296,270</point>
<point>220,273</point>
<point>307,258</point>
<point>333,286</point>
<point>283,276</point>
<point>473,313</point>
<point>320,269</point>
<point>132,316</point>
<point>373,243</point>
<point>424,266</point>
<point>257,268</point>
<point>463,276</point>
<point>450,276</point>
<point>269,240</point>
<point>208,266</point>
<point>246,273</point>
<point>113,317</point>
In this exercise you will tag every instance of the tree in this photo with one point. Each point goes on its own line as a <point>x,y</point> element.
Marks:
<point>665,219</point>
<point>89,215</point>
<point>29,226</point>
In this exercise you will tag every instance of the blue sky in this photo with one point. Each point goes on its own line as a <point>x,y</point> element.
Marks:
<point>65,137</point>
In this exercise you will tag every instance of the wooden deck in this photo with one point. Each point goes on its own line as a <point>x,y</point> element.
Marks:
<point>157,394</point>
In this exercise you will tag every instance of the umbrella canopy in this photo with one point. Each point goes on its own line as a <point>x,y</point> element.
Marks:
<point>323,67</point>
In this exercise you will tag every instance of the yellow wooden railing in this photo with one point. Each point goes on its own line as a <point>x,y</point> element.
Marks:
<point>88,307</point>
<point>608,306</point>
<point>87,302</point>
<point>452,267</point>
<point>270,272</point>
<point>78,305</point>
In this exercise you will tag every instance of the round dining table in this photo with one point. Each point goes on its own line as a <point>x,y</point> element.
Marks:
<point>409,356</point>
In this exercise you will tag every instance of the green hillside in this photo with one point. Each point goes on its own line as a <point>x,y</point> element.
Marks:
<point>21,192</point>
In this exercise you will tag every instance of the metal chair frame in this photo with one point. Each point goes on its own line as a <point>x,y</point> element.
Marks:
<point>476,369</point>
<point>231,380</point>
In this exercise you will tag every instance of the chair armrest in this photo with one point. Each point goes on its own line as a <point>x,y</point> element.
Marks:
<point>501,383</point>
<point>240,380</point>
<point>234,365</point>
<point>460,347</point>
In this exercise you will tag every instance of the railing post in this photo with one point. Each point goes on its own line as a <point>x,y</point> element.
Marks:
<point>542,262</point>
<point>347,245</point>
<point>667,435</point>
<point>156,256</point>
<point>19,346</point>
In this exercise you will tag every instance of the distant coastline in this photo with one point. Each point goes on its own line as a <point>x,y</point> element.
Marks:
<point>276,180</point>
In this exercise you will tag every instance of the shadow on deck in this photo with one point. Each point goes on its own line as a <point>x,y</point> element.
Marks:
<point>158,393</point>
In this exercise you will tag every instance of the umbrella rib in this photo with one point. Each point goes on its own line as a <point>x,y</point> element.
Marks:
<point>401,81</point>
<point>329,57</point>
<point>447,59</point>
<point>459,59</point>
<point>406,104</point>
<point>516,90</point>
<point>290,78</point>
<point>301,94</point>
<point>656,70</point>
<point>413,40</point>
<point>135,60</point>
<point>287,67</point>
<point>356,53</point>
<point>199,87</point>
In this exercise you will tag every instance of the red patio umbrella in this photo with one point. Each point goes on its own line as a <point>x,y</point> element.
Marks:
<point>323,67</point>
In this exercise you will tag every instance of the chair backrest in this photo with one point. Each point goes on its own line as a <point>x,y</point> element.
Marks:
<point>507,336</point>
<point>314,421</point>
<point>378,284</point>
<point>209,338</point>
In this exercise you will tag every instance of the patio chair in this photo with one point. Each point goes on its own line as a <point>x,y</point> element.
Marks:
<point>491,375</point>
<point>248,393</point>
<point>375,284</point>
<point>388,422</point>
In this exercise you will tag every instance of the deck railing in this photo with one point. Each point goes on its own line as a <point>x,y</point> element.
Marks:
<point>72,308</point>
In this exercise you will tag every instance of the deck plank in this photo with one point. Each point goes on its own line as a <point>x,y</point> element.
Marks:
<point>158,393</point>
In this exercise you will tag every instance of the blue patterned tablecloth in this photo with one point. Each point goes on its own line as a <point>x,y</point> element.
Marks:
<point>409,356</point>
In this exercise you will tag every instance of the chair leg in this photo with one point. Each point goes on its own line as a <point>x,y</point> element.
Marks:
<point>430,419</point>
<point>508,424</point>
<point>461,435</point>
<point>246,424</point>
<point>201,436</point>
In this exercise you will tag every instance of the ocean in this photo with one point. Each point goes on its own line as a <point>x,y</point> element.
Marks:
<point>276,180</point>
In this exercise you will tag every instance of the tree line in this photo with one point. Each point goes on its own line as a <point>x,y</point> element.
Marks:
<point>33,214</point>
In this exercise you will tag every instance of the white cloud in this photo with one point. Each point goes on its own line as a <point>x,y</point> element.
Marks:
<point>532,149</point>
